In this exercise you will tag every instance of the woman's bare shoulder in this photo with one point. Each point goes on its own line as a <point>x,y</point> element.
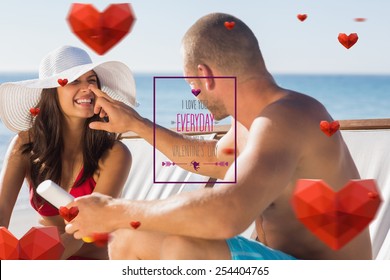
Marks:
<point>120,147</point>
<point>117,154</point>
<point>20,139</point>
<point>23,137</point>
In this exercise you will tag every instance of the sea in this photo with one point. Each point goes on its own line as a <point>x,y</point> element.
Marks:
<point>168,100</point>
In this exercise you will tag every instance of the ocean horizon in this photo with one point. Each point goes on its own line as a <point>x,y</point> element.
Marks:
<point>345,96</point>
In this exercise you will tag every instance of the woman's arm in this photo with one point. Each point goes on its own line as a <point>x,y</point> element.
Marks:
<point>11,178</point>
<point>114,168</point>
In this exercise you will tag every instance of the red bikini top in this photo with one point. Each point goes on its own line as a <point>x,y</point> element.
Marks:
<point>44,208</point>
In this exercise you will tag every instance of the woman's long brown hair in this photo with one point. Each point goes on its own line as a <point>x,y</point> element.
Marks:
<point>46,142</point>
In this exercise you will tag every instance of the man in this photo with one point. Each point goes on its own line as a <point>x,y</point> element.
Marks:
<point>284,144</point>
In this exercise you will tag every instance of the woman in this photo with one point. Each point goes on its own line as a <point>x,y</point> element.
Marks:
<point>51,115</point>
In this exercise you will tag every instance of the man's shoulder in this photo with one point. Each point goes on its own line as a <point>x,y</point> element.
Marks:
<point>290,117</point>
<point>295,109</point>
<point>295,103</point>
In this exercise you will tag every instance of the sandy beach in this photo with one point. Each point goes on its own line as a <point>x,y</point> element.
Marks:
<point>22,220</point>
<point>23,215</point>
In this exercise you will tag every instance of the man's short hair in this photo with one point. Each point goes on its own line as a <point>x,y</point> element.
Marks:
<point>234,52</point>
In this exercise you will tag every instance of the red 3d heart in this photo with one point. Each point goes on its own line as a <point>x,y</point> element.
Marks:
<point>228,151</point>
<point>41,243</point>
<point>100,239</point>
<point>329,128</point>
<point>229,25</point>
<point>34,111</point>
<point>360,19</point>
<point>62,82</point>
<point>135,224</point>
<point>302,17</point>
<point>68,214</point>
<point>335,217</point>
<point>195,92</point>
<point>101,31</point>
<point>348,40</point>
<point>9,245</point>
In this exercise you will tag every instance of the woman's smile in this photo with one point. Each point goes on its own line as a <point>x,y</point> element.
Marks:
<point>84,102</point>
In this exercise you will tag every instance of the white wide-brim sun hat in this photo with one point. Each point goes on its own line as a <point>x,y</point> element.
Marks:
<point>67,62</point>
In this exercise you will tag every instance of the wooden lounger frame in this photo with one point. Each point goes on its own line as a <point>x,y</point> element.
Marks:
<point>365,124</point>
<point>362,124</point>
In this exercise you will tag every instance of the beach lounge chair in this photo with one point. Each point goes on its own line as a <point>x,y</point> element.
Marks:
<point>369,144</point>
<point>141,184</point>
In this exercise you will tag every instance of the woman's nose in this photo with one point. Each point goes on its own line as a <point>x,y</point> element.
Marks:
<point>85,86</point>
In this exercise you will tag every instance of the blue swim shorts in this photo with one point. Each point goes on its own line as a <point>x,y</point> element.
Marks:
<point>242,248</point>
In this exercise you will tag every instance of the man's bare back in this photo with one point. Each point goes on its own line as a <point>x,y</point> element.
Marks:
<point>276,226</point>
<point>323,157</point>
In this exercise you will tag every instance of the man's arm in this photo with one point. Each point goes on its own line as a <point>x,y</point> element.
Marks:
<point>181,148</point>
<point>264,170</point>
<point>177,147</point>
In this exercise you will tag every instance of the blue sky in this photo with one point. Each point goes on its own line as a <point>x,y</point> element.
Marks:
<point>31,28</point>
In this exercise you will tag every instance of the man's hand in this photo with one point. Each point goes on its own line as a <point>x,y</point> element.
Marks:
<point>93,216</point>
<point>121,118</point>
